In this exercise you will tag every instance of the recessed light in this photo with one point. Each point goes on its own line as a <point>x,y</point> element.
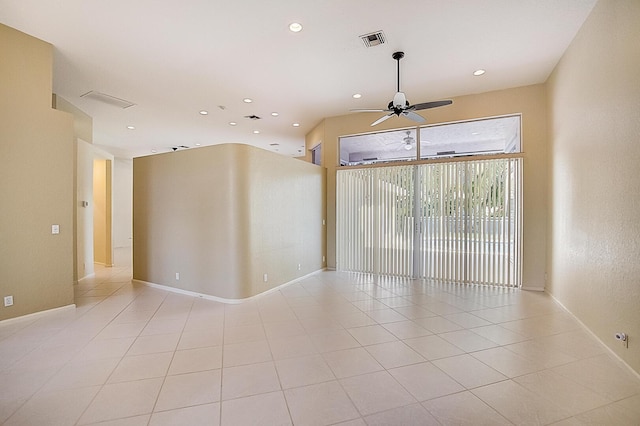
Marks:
<point>197,144</point>
<point>131,127</point>
<point>357,96</point>
<point>256,132</point>
<point>232,123</point>
<point>203,112</point>
<point>296,124</point>
<point>479,72</point>
<point>153,151</point>
<point>295,27</point>
<point>475,133</point>
<point>247,100</point>
<point>274,114</point>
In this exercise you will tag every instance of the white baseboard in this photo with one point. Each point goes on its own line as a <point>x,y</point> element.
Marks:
<point>36,315</point>
<point>222,299</point>
<point>528,288</point>
<point>91,275</point>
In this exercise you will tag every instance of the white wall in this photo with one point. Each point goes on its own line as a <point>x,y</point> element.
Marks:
<point>84,215</point>
<point>122,203</point>
<point>594,135</point>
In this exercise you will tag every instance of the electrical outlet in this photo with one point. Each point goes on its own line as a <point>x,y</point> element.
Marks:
<point>265,278</point>
<point>299,266</point>
<point>177,276</point>
<point>623,338</point>
<point>8,301</point>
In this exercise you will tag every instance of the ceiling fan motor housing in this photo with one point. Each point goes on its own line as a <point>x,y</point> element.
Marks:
<point>399,102</point>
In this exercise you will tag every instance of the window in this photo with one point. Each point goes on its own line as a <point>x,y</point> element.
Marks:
<point>478,137</point>
<point>316,157</point>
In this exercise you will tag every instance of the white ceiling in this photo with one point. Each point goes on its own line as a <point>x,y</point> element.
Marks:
<point>175,58</point>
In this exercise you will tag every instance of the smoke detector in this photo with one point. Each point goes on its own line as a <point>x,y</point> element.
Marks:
<point>373,39</point>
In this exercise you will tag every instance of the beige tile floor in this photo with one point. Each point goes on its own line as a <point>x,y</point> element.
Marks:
<point>334,348</point>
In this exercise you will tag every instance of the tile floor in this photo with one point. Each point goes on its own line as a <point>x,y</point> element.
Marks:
<point>333,349</point>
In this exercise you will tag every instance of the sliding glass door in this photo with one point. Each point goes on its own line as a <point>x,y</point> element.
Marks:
<point>456,221</point>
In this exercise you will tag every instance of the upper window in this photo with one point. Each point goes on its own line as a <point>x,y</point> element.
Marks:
<point>478,137</point>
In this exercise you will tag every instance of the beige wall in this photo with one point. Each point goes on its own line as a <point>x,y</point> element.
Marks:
<point>224,215</point>
<point>530,101</point>
<point>82,123</point>
<point>36,181</point>
<point>594,110</point>
<point>102,211</point>
<point>83,181</point>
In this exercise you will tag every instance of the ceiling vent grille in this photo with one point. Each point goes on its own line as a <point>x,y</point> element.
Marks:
<point>373,39</point>
<point>108,99</point>
<point>252,117</point>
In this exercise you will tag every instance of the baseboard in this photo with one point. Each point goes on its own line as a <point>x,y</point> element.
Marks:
<point>39,314</point>
<point>527,288</point>
<point>592,334</point>
<point>91,275</point>
<point>222,299</point>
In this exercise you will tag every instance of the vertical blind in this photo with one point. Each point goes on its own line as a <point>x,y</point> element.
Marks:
<point>457,221</point>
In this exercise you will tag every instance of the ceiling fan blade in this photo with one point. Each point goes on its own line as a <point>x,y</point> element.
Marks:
<point>369,110</point>
<point>427,105</point>
<point>381,119</point>
<point>413,116</point>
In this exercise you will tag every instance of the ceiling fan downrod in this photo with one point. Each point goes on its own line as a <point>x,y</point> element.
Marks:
<point>397,56</point>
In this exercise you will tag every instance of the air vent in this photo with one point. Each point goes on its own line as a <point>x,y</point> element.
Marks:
<point>445,152</point>
<point>252,117</point>
<point>274,144</point>
<point>108,99</point>
<point>373,39</point>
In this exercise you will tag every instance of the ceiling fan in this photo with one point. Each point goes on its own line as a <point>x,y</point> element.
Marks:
<point>400,105</point>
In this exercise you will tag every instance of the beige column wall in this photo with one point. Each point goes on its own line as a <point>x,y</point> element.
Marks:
<point>530,101</point>
<point>36,181</point>
<point>224,216</point>
<point>594,110</point>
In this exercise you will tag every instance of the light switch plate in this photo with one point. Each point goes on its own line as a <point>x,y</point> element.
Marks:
<point>55,229</point>
<point>8,301</point>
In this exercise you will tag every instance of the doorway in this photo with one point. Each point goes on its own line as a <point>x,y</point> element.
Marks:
<point>458,221</point>
<point>102,212</point>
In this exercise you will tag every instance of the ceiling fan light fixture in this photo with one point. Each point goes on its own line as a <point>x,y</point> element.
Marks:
<point>399,105</point>
<point>408,146</point>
